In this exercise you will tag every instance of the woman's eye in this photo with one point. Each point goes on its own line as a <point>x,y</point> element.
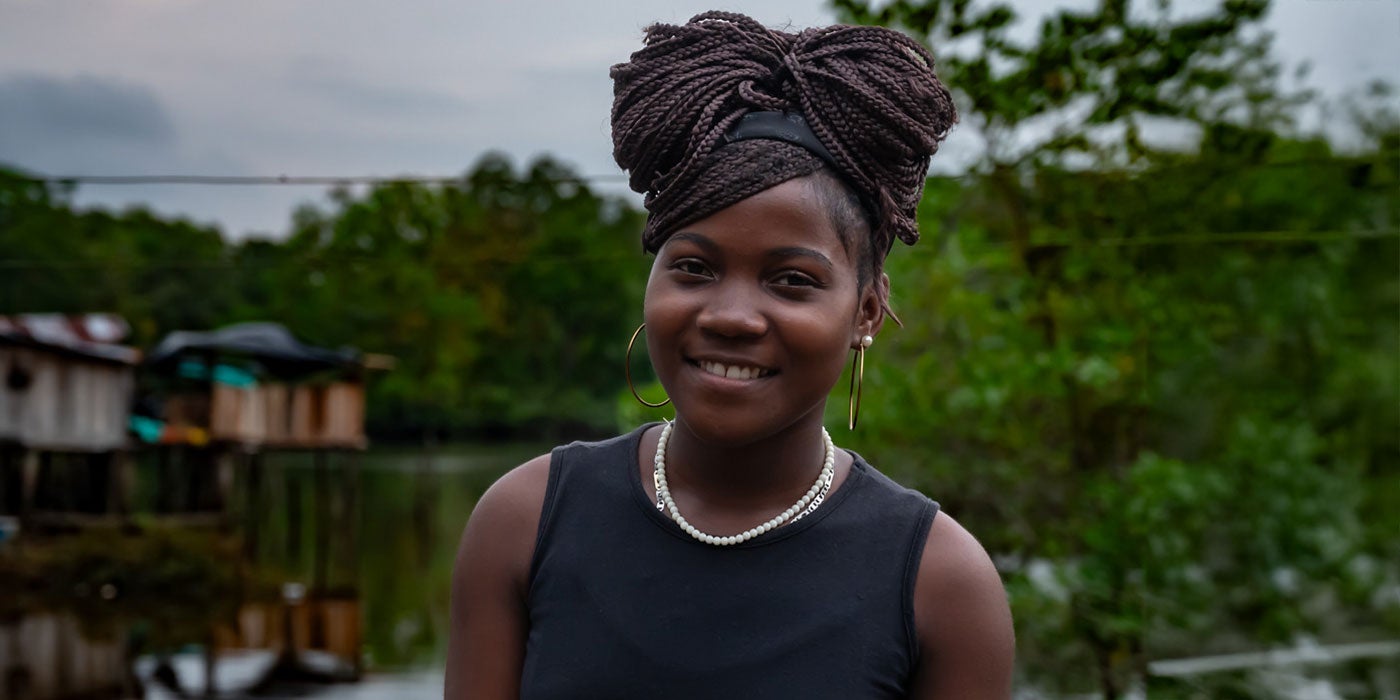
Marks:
<point>794,279</point>
<point>691,267</point>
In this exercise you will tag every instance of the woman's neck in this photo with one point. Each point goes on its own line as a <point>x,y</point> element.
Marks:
<point>773,469</point>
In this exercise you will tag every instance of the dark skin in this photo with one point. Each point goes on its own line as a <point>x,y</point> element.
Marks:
<point>765,287</point>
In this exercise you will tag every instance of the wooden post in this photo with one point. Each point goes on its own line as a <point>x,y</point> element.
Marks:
<point>170,488</point>
<point>322,499</point>
<point>29,482</point>
<point>62,650</point>
<point>18,675</point>
<point>352,510</point>
<point>223,484</point>
<point>252,506</point>
<point>339,523</point>
<point>119,484</point>
<point>293,494</point>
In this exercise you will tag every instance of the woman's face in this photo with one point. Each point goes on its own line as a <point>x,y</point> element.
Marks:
<point>751,312</point>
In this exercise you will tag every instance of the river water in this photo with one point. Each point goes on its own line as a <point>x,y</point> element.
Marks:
<point>396,518</point>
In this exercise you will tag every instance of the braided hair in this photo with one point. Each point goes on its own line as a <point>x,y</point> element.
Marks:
<point>869,95</point>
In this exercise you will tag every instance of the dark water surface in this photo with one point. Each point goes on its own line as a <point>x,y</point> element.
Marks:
<point>397,515</point>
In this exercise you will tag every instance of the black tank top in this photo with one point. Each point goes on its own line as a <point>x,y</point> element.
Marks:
<point>624,604</point>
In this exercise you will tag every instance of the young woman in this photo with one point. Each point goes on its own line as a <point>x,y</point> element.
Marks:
<point>735,552</point>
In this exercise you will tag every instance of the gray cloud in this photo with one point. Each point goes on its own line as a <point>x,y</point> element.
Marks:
<point>43,109</point>
<point>363,87</point>
<point>342,88</point>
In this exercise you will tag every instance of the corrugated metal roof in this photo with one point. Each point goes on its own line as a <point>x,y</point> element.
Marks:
<point>93,336</point>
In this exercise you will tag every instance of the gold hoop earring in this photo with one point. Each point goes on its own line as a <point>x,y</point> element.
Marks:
<point>857,381</point>
<point>627,367</point>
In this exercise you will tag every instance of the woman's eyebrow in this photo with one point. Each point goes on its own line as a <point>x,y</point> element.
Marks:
<point>800,252</point>
<point>704,243</point>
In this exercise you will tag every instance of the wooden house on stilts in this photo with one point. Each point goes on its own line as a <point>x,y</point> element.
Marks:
<point>226,400</point>
<point>96,439</point>
<point>66,386</point>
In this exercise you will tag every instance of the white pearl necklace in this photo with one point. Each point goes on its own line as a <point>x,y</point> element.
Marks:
<point>804,505</point>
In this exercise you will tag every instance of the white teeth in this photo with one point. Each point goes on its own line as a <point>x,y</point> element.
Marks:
<point>731,371</point>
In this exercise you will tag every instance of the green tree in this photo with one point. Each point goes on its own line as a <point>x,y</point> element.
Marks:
<point>152,271</point>
<point>1145,370</point>
<point>501,296</point>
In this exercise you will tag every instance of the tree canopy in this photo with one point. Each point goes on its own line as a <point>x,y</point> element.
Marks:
<point>1157,376</point>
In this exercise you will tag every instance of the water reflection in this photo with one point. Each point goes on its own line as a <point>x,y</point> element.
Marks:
<point>395,551</point>
<point>412,507</point>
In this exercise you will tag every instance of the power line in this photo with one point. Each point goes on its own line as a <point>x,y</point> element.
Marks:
<point>314,180</point>
<point>341,180</point>
<point>1221,238</point>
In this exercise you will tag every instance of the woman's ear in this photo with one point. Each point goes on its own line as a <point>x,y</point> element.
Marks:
<point>874,303</point>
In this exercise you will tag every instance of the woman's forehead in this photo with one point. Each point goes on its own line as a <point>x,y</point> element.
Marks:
<point>788,215</point>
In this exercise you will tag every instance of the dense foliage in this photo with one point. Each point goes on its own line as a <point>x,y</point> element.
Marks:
<point>1158,377</point>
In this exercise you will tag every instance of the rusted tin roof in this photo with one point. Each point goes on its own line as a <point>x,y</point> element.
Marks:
<point>92,336</point>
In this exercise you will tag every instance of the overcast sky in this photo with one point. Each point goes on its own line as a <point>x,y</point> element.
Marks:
<point>353,87</point>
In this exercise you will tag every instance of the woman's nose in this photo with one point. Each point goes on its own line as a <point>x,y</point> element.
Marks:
<point>733,311</point>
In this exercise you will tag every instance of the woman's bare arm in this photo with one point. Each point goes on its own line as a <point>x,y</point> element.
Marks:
<point>486,646</point>
<point>967,646</point>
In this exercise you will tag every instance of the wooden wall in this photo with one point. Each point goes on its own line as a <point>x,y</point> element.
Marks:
<point>276,415</point>
<point>329,624</point>
<point>45,656</point>
<point>50,401</point>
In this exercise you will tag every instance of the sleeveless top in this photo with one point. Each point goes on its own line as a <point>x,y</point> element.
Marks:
<point>624,604</point>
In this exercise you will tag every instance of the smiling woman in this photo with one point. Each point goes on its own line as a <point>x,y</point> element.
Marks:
<point>749,314</point>
<point>736,551</point>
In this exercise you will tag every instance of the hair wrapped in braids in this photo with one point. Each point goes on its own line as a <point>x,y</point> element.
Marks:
<point>868,94</point>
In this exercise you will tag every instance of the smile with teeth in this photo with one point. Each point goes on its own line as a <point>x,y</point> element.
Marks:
<point>720,369</point>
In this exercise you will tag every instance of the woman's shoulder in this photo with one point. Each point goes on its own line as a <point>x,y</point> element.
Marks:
<point>962,616</point>
<point>517,491</point>
<point>514,503</point>
<point>500,531</point>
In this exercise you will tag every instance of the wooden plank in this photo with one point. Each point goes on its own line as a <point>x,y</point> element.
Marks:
<point>331,624</point>
<point>29,482</point>
<point>277,401</point>
<point>303,419</point>
<point>340,623</point>
<point>56,660</point>
<point>67,404</point>
<point>41,402</point>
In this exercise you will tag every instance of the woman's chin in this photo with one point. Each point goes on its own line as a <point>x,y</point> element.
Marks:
<point>733,426</point>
